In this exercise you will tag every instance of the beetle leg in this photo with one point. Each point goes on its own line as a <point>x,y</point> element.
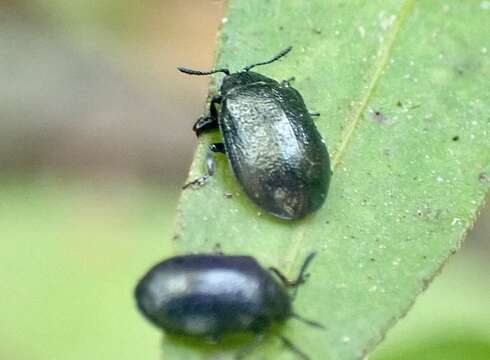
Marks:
<point>213,148</point>
<point>215,100</point>
<point>289,283</point>
<point>287,82</point>
<point>247,349</point>
<point>210,164</point>
<point>203,124</point>
<point>209,122</point>
<point>285,281</point>
<point>300,279</point>
<point>289,344</point>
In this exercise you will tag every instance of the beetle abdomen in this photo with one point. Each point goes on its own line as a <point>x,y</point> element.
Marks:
<point>275,150</point>
<point>205,314</point>
<point>207,295</point>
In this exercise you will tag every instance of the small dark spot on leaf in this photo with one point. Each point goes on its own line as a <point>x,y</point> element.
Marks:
<point>281,28</point>
<point>372,259</point>
<point>428,213</point>
<point>455,138</point>
<point>484,177</point>
<point>399,103</point>
<point>378,116</point>
<point>317,30</point>
<point>228,195</point>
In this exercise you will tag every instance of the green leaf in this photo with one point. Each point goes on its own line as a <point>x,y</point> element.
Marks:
<point>402,87</point>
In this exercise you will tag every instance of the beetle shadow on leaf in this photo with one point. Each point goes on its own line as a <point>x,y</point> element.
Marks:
<point>226,347</point>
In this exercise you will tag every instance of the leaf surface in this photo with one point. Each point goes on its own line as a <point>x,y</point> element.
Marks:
<point>402,88</point>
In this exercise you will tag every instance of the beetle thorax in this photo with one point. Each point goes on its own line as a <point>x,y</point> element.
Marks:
<point>242,78</point>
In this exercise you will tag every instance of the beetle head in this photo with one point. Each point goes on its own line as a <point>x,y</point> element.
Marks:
<point>278,301</point>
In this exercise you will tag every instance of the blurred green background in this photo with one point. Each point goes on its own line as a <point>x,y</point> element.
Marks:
<point>95,143</point>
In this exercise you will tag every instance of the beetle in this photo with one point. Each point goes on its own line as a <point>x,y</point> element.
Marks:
<point>210,295</point>
<point>272,143</point>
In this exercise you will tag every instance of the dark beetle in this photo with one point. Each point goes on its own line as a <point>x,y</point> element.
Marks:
<point>273,146</point>
<point>213,295</point>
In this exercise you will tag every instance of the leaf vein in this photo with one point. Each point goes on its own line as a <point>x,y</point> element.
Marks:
<point>380,65</point>
<point>298,236</point>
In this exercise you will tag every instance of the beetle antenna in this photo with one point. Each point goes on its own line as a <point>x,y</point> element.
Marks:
<point>198,72</point>
<point>275,58</point>
<point>308,321</point>
<point>289,344</point>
